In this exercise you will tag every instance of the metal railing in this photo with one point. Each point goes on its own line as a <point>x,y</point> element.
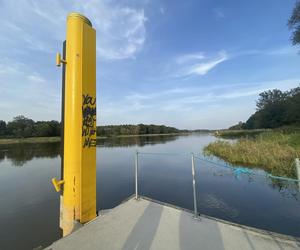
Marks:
<point>136,174</point>
<point>193,157</point>
<point>194,186</point>
<point>136,160</point>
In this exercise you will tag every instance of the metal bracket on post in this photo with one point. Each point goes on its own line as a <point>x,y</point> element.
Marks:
<point>59,61</point>
<point>136,174</point>
<point>196,216</point>
<point>57,184</point>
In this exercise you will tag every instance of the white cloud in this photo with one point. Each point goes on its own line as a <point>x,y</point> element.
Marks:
<point>31,33</point>
<point>281,51</point>
<point>184,107</point>
<point>198,64</point>
<point>28,93</point>
<point>121,31</point>
<point>203,68</point>
<point>276,51</point>
<point>40,25</point>
<point>36,78</point>
<point>189,57</point>
<point>7,69</point>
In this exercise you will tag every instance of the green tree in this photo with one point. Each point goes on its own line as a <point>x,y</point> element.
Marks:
<point>42,129</point>
<point>292,116</point>
<point>55,128</point>
<point>21,126</point>
<point>270,97</point>
<point>2,128</point>
<point>111,130</point>
<point>275,109</point>
<point>294,23</point>
<point>238,126</point>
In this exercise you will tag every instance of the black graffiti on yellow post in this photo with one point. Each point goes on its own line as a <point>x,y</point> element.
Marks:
<point>88,100</point>
<point>88,121</point>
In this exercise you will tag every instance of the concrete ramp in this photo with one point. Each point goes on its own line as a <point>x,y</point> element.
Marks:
<point>146,224</point>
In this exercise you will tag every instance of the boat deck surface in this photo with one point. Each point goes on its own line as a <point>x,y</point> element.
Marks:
<point>147,224</point>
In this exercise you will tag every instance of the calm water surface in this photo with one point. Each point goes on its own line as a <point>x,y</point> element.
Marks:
<point>29,206</point>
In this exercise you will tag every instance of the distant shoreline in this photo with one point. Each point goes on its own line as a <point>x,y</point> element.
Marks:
<point>143,135</point>
<point>7,141</point>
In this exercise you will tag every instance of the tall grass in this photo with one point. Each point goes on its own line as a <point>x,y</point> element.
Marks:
<point>227,133</point>
<point>273,151</point>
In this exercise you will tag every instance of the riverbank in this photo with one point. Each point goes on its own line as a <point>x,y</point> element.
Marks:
<point>29,140</point>
<point>143,135</point>
<point>5,141</point>
<point>274,151</point>
<point>232,134</point>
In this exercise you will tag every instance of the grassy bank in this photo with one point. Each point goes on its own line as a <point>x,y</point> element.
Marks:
<point>273,151</point>
<point>29,140</point>
<point>227,133</point>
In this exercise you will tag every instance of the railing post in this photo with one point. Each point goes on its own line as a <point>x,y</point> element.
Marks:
<point>194,187</point>
<point>136,174</point>
<point>297,166</point>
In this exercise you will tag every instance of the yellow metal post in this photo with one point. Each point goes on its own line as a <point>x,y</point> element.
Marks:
<point>78,201</point>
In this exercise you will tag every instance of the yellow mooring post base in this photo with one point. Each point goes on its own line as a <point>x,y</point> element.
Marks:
<point>78,200</point>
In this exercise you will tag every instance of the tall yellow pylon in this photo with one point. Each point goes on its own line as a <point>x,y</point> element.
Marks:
<point>78,184</point>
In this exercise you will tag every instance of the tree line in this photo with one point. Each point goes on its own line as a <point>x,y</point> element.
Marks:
<point>21,127</point>
<point>274,108</point>
<point>140,129</point>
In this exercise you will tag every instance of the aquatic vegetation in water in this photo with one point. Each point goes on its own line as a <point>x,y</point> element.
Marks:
<point>275,152</point>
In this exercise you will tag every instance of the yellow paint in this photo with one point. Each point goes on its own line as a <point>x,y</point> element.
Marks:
<point>57,184</point>
<point>79,189</point>
<point>58,59</point>
<point>88,170</point>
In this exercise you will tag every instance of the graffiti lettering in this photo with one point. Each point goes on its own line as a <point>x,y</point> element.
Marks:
<point>88,121</point>
<point>88,100</point>
<point>88,142</point>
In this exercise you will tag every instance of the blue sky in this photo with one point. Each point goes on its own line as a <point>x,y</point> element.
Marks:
<point>188,64</point>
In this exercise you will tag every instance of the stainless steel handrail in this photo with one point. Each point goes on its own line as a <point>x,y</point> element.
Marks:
<point>194,187</point>
<point>136,174</point>
<point>136,168</point>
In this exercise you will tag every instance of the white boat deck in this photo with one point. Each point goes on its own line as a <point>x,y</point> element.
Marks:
<point>146,224</point>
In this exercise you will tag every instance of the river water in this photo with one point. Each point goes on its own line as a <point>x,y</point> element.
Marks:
<point>29,205</point>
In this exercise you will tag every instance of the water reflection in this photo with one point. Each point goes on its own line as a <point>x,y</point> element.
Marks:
<point>19,154</point>
<point>285,188</point>
<point>27,196</point>
<point>132,141</point>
